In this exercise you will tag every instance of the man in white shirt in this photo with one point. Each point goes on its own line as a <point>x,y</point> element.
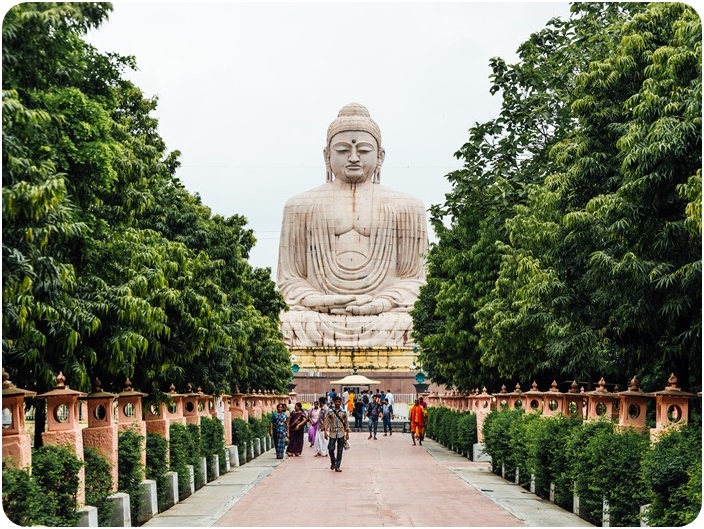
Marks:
<point>389,397</point>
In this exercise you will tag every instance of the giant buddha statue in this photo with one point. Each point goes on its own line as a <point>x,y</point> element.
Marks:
<point>351,256</point>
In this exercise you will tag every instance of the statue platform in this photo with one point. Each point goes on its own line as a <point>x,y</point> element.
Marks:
<point>394,367</point>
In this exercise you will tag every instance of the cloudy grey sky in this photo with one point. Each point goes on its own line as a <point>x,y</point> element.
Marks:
<point>247,90</point>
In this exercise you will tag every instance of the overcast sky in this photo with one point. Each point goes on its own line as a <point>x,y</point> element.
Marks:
<point>247,90</point>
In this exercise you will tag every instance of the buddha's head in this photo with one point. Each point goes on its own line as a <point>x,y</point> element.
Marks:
<point>353,152</point>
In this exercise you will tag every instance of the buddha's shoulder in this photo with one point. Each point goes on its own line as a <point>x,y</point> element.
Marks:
<point>310,197</point>
<point>399,197</point>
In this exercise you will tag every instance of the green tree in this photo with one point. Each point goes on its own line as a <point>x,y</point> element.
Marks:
<point>573,238</point>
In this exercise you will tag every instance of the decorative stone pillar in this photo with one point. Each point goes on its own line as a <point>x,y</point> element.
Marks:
<point>16,445</point>
<point>101,432</point>
<point>632,407</point>
<point>574,402</point>
<point>671,408</point>
<point>238,405</point>
<point>62,425</point>
<point>516,398</point>
<point>129,414</point>
<point>483,407</point>
<point>601,402</point>
<point>501,399</point>
<point>553,401</point>
<point>205,403</point>
<point>160,414</point>
<point>249,404</point>
<point>227,418</point>
<point>190,406</point>
<point>534,399</point>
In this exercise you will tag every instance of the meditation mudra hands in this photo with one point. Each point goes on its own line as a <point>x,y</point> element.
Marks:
<point>356,305</point>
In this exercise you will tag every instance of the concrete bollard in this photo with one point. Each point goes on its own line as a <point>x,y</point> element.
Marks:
<point>203,462</point>
<point>121,514</point>
<point>644,516</point>
<point>479,454</point>
<point>148,506</point>
<point>605,514</point>
<point>228,467</point>
<point>88,516</point>
<point>191,481</point>
<point>214,468</point>
<point>234,455</point>
<point>257,447</point>
<point>250,454</point>
<point>517,479</point>
<point>575,501</point>
<point>172,497</point>
<point>552,492</point>
<point>532,483</point>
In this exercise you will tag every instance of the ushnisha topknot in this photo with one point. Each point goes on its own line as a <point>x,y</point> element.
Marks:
<point>354,116</point>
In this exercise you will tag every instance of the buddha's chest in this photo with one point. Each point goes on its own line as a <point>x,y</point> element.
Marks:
<point>354,217</point>
<point>353,211</point>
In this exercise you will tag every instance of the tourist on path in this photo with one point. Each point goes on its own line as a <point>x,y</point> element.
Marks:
<point>296,426</point>
<point>278,428</point>
<point>417,417</point>
<point>390,396</point>
<point>313,416</point>
<point>387,413</point>
<point>321,444</point>
<point>374,413</point>
<point>358,414</point>
<point>337,431</point>
<point>365,403</point>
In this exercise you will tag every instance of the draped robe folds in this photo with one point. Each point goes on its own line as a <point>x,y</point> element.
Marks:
<point>391,268</point>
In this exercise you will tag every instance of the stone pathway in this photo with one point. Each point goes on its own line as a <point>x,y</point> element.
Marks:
<point>384,483</point>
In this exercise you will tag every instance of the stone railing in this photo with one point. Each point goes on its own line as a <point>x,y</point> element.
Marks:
<point>107,414</point>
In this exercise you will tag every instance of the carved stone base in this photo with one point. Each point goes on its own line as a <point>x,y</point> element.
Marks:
<point>392,366</point>
<point>345,359</point>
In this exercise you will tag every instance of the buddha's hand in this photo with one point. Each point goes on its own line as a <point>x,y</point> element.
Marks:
<point>327,302</point>
<point>375,306</point>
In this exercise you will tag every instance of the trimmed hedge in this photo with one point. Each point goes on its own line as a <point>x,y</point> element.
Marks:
<point>212,440</point>
<point>241,434</point>
<point>130,470</point>
<point>157,466</point>
<point>48,496</point>
<point>181,450</point>
<point>98,484</point>
<point>454,429</point>
<point>597,461</point>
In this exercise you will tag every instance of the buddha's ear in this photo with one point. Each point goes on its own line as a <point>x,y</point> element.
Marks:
<point>380,159</point>
<point>328,169</point>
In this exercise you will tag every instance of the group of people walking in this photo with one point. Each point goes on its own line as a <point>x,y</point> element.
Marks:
<point>328,426</point>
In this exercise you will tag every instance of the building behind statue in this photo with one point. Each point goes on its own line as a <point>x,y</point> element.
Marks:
<point>351,263</point>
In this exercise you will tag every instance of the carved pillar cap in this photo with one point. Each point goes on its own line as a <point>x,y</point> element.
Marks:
<point>60,380</point>
<point>672,383</point>
<point>573,387</point>
<point>534,386</point>
<point>634,385</point>
<point>553,387</point>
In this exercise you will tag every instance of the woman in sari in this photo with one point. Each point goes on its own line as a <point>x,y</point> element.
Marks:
<point>321,444</point>
<point>296,426</point>
<point>278,428</point>
<point>313,416</point>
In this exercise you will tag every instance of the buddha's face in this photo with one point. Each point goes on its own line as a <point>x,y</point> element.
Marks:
<point>354,156</point>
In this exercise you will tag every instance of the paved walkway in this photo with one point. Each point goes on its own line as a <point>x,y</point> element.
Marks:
<point>384,483</point>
